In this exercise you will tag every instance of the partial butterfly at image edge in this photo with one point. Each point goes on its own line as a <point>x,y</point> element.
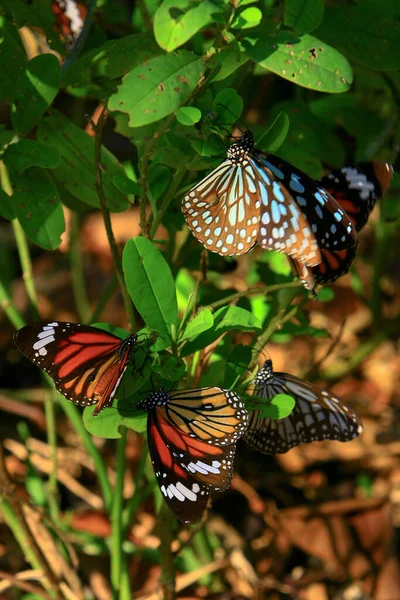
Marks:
<point>318,415</point>
<point>86,363</point>
<point>192,440</point>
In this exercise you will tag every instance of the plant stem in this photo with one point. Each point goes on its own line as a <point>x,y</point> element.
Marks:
<point>107,222</point>
<point>7,305</point>
<point>116,516</point>
<point>256,290</point>
<point>26,264</point>
<point>380,260</point>
<point>104,298</point>
<point>77,270</point>
<point>138,495</point>
<point>166,557</point>
<point>168,197</point>
<point>80,42</point>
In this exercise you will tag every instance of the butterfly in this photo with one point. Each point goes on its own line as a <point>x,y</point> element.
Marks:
<point>318,415</point>
<point>252,197</point>
<point>86,363</point>
<point>356,189</point>
<point>192,439</point>
<point>70,18</point>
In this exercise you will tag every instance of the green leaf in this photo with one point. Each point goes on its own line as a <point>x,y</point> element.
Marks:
<point>38,208</point>
<point>201,322</point>
<point>108,422</point>
<point>227,318</point>
<point>229,59</point>
<point>169,367</point>
<point>157,87</point>
<point>249,17</point>
<point>229,106</point>
<point>188,115</point>
<point>237,364</point>
<point>364,33</point>
<point>159,178</point>
<point>279,407</point>
<point>150,284</point>
<point>326,294</point>
<point>76,171</point>
<point>303,15</point>
<point>6,206</point>
<point>176,21</point>
<point>275,135</point>
<point>28,153</point>
<point>37,87</point>
<point>6,135</point>
<point>12,59</point>
<point>114,59</point>
<point>303,60</point>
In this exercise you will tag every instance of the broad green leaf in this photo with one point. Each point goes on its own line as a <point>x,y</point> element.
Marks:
<point>227,318</point>
<point>36,89</point>
<point>201,322</point>
<point>176,21</point>
<point>237,364</point>
<point>160,176</point>
<point>150,284</point>
<point>28,153</point>
<point>326,294</point>
<point>229,59</point>
<point>275,135</point>
<point>114,59</point>
<point>38,208</point>
<point>303,15</point>
<point>249,17</point>
<point>229,105</point>
<point>188,115</point>
<point>12,59</point>
<point>6,206</point>
<point>279,407</point>
<point>364,33</point>
<point>303,60</point>
<point>108,422</point>
<point>76,171</point>
<point>171,368</point>
<point>158,87</point>
<point>6,135</point>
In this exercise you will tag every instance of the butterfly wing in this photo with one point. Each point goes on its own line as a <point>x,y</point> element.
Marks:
<point>357,188</point>
<point>211,414</point>
<point>70,18</point>
<point>329,223</point>
<point>86,363</point>
<point>318,415</point>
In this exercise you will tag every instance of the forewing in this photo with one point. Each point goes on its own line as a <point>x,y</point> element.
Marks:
<point>213,415</point>
<point>318,415</point>
<point>329,223</point>
<point>223,210</point>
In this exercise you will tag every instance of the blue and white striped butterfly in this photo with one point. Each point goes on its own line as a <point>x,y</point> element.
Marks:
<point>318,415</point>
<point>246,200</point>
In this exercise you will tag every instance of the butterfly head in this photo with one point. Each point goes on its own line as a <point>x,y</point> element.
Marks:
<point>240,149</point>
<point>156,398</point>
<point>265,374</point>
<point>128,344</point>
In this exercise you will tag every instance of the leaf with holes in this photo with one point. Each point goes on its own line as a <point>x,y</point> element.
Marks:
<point>158,87</point>
<point>303,60</point>
<point>28,153</point>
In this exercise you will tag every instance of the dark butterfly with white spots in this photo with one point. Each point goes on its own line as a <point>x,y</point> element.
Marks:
<point>318,415</point>
<point>192,439</point>
<point>356,189</point>
<point>254,197</point>
<point>70,18</point>
<point>86,363</point>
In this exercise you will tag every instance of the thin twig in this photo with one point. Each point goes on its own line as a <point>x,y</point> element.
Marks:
<point>107,221</point>
<point>77,269</point>
<point>19,582</point>
<point>166,557</point>
<point>254,291</point>
<point>26,264</point>
<point>168,197</point>
<point>117,533</point>
<point>9,309</point>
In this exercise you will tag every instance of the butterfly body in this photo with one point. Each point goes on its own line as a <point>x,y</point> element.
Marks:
<point>318,415</point>
<point>86,363</point>
<point>192,436</point>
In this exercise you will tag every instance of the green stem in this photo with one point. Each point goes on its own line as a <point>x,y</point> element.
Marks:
<point>256,290</point>
<point>139,493</point>
<point>117,558</point>
<point>380,260</point>
<point>77,49</point>
<point>104,298</point>
<point>77,270</point>
<point>8,307</point>
<point>168,197</point>
<point>107,221</point>
<point>166,557</point>
<point>26,264</point>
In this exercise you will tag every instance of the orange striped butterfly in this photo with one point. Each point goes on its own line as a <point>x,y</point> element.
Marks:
<point>192,438</point>
<point>252,197</point>
<point>86,363</point>
<point>70,18</point>
<point>318,415</point>
<point>356,189</point>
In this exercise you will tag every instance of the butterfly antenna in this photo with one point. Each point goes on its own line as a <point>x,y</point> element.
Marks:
<point>236,117</point>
